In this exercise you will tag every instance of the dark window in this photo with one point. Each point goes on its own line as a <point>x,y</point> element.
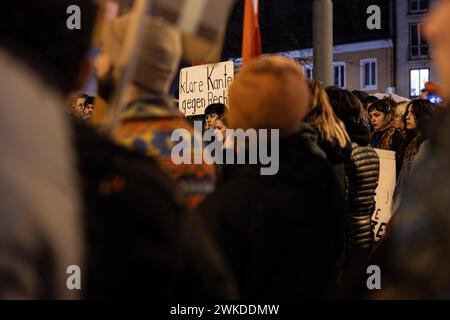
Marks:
<point>339,75</point>
<point>367,73</point>
<point>373,73</point>
<point>418,46</point>
<point>418,6</point>
<point>369,76</point>
<point>309,72</point>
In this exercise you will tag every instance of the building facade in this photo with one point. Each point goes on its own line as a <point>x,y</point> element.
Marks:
<point>413,59</point>
<point>364,59</point>
<point>366,66</point>
<point>395,58</point>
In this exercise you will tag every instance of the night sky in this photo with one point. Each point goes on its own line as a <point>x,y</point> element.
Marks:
<point>287,24</point>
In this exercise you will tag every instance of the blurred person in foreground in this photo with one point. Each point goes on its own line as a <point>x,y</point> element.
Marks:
<point>129,235</point>
<point>41,229</point>
<point>150,115</point>
<point>414,256</point>
<point>138,231</point>
<point>281,233</point>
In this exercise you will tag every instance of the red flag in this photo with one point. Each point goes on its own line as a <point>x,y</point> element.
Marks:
<point>251,40</point>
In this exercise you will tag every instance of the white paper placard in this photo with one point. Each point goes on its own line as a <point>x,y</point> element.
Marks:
<point>384,193</point>
<point>203,85</point>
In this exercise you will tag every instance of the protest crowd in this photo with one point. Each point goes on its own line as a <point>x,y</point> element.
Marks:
<point>114,204</point>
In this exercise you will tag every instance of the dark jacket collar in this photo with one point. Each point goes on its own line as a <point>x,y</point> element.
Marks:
<point>292,151</point>
<point>359,134</point>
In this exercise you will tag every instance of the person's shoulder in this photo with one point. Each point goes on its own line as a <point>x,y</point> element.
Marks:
<point>364,161</point>
<point>306,154</point>
<point>99,158</point>
<point>301,167</point>
<point>360,152</point>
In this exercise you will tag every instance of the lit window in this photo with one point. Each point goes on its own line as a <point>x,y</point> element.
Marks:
<point>418,78</point>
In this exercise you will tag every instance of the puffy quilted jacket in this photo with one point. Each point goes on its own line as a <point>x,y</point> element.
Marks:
<point>362,169</point>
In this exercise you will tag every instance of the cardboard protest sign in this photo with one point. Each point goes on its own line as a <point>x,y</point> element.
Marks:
<point>384,193</point>
<point>203,85</point>
<point>201,22</point>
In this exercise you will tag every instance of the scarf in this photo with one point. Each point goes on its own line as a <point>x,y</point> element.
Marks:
<point>386,132</point>
<point>413,148</point>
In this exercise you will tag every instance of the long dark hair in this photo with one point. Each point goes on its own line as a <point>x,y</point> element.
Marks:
<point>423,112</point>
<point>347,107</point>
<point>369,100</point>
<point>385,107</point>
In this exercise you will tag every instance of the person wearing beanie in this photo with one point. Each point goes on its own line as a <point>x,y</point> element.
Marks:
<point>159,56</point>
<point>282,233</point>
<point>269,93</point>
<point>151,116</point>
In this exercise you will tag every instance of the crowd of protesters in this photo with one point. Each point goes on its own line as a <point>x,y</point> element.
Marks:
<point>82,106</point>
<point>139,225</point>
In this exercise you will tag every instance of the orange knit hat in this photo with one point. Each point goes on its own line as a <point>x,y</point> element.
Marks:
<point>269,93</point>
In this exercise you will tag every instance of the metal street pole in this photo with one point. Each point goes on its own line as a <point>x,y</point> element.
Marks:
<point>323,41</point>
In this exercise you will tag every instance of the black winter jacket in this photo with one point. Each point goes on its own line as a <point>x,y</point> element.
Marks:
<point>282,234</point>
<point>362,173</point>
<point>362,180</point>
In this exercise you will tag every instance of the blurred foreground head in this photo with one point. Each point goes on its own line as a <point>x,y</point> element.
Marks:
<point>436,31</point>
<point>269,93</point>
<point>159,56</point>
<point>37,32</point>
